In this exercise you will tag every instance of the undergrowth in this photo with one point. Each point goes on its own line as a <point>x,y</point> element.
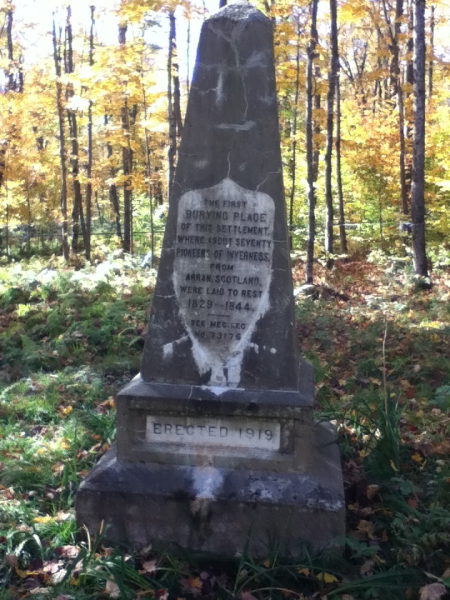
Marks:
<point>70,338</point>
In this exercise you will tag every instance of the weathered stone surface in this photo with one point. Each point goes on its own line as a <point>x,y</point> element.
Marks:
<point>210,509</point>
<point>223,312</point>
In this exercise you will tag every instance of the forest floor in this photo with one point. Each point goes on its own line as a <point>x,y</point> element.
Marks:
<point>71,337</point>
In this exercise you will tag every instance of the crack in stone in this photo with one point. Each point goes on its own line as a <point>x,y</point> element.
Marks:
<point>267,177</point>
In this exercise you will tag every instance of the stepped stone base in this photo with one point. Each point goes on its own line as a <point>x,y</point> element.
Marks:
<point>220,510</point>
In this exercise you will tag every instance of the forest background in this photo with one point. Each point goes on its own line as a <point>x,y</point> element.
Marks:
<point>91,113</point>
<point>92,105</point>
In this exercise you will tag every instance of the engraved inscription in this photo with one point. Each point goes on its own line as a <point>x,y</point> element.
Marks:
<point>222,273</point>
<point>236,433</point>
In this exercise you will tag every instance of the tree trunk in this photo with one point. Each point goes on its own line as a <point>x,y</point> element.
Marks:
<point>294,136</point>
<point>403,189</point>
<point>73,129</point>
<point>112,192</point>
<point>430,64</point>
<point>330,107</point>
<point>10,72</point>
<point>149,185</point>
<point>87,247</point>
<point>396,87</point>
<point>127,161</point>
<point>409,113</point>
<point>342,234</point>
<point>62,149</point>
<point>309,145</point>
<point>171,113</point>
<point>188,52</point>
<point>316,154</point>
<point>418,201</point>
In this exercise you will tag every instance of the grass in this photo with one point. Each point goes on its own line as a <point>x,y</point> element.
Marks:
<point>71,337</point>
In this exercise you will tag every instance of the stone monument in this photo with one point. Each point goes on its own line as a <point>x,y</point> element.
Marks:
<point>216,442</point>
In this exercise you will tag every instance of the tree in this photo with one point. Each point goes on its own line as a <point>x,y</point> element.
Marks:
<point>430,64</point>
<point>62,148</point>
<point>330,107</point>
<point>418,191</point>
<point>342,234</point>
<point>294,131</point>
<point>171,109</point>
<point>87,248</point>
<point>77,206</point>
<point>312,173</point>
<point>127,158</point>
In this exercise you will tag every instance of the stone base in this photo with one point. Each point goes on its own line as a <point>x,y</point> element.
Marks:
<point>220,510</point>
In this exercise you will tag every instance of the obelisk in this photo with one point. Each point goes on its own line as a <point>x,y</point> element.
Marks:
<point>216,441</point>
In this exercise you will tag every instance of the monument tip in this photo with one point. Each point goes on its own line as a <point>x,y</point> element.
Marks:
<point>241,10</point>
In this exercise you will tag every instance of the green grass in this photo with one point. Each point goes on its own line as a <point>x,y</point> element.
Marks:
<point>70,339</point>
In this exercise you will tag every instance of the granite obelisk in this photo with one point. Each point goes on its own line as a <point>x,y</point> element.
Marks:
<point>215,438</point>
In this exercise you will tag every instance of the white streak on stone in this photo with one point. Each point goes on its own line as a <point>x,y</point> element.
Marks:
<point>168,350</point>
<point>273,351</point>
<point>207,482</point>
<point>269,100</point>
<point>201,164</point>
<point>237,126</point>
<point>220,96</point>
<point>217,390</point>
<point>170,347</point>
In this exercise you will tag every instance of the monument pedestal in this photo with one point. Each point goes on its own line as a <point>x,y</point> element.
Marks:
<point>258,472</point>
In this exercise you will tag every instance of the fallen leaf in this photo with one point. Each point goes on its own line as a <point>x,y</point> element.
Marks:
<point>247,596</point>
<point>366,568</point>
<point>145,551</point>
<point>112,589</point>
<point>417,458</point>
<point>326,577</point>
<point>303,571</point>
<point>433,591</point>
<point>67,551</point>
<point>195,583</point>
<point>62,516</point>
<point>372,490</point>
<point>46,519</point>
<point>11,560</point>
<point>149,566</point>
